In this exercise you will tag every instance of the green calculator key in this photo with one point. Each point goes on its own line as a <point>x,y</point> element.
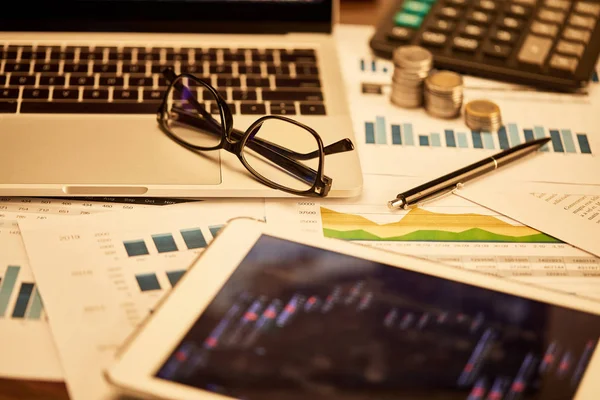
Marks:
<point>407,20</point>
<point>415,7</point>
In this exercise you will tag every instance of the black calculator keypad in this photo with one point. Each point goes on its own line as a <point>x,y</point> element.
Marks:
<point>546,43</point>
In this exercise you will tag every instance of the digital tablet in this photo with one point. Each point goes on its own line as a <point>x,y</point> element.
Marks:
<point>269,314</point>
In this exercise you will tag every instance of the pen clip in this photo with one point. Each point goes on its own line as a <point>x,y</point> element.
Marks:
<point>442,193</point>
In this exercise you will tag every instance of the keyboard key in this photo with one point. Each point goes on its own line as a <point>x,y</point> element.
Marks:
<point>304,82</point>
<point>95,94</point>
<point>576,35</point>
<point>497,50</point>
<point>312,109</point>
<point>465,44</point>
<point>253,108</point>
<point>408,20</point>
<point>22,80</point>
<point>563,63</point>
<point>105,68</point>
<point>65,94</point>
<point>125,95</point>
<point>207,95</point>
<point>214,109</point>
<point>51,80</point>
<point>140,81</point>
<point>8,106</point>
<point>544,29</point>
<point>278,70</point>
<point>433,38</point>
<point>111,81</point>
<point>76,68</point>
<point>9,94</point>
<point>201,57</point>
<point>134,68</point>
<point>159,68</point>
<point>257,82</point>
<point>546,14</point>
<point>38,94</point>
<point>41,67</point>
<point>2,80</point>
<point>260,57</point>
<point>63,107</point>
<point>233,57</point>
<point>580,21</point>
<point>81,81</point>
<point>153,95</point>
<point>228,82</point>
<point>534,50</point>
<point>588,8</point>
<point>9,55</point>
<point>297,58</point>
<point>562,5</point>
<point>220,69</point>
<point>294,95</point>
<point>10,66</point>
<point>249,69</point>
<point>177,57</point>
<point>442,25</point>
<point>571,49</point>
<point>244,95</point>
<point>119,56</point>
<point>282,108</point>
<point>195,69</point>
<point>306,69</point>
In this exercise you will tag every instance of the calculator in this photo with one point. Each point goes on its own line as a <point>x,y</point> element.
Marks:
<point>549,44</point>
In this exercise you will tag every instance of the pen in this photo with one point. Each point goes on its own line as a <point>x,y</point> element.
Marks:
<point>455,180</point>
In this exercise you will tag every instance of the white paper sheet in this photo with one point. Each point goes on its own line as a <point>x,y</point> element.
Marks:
<point>452,230</point>
<point>568,212</point>
<point>397,141</point>
<point>100,275</point>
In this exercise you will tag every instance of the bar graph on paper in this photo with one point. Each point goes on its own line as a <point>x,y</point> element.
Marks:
<point>563,140</point>
<point>19,299</point>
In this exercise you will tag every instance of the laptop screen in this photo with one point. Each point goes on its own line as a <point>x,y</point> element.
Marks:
<point>202,16</point>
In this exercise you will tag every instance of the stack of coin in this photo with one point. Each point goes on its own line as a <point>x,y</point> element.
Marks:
<point>483,115</point>
<point>444,94</point>
<point>411,66</point>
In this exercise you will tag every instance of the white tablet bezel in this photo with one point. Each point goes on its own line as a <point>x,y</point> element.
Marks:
<point>148,348</point>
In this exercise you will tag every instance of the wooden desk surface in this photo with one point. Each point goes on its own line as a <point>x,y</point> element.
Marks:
<point>365,12</point>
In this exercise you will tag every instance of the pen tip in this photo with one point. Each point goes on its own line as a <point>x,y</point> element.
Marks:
<point>396,204</point>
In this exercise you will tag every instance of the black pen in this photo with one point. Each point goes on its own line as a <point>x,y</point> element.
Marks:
<point>455,180</point>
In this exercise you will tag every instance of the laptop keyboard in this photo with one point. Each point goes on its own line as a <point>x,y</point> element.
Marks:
<point>128,80</point>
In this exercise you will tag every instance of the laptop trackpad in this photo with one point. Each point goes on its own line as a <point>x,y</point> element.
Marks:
<point>119,150</point>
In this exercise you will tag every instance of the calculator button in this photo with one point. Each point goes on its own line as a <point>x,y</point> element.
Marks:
<point>563,63</point>
<point>465,44</point>
<point>473,30</point>
<point>497,50</point>
<point>558,4</point>
<point>546,14</point>
<point>486,5</point>
<point>408,20</point>
<point>588,8</point>
<point>543,29</point>
<point>517,10</point>
<point>529,3</point>
<point>479,17</point>
<point>504,36</point>
<point>442,25</point>
<point>449,12</point>
<point>571,49</point>
<point>415,7</point>
<point>582,22</point>
<point>576,34</point>
<point>433,38</point>
<point>534,50</point>
<point>401,34</point>
<point>510,23</point>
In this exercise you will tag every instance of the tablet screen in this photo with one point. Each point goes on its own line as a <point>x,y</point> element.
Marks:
<point>299,322</point>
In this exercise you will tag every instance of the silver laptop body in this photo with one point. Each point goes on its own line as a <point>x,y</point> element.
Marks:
<point>79,93</point>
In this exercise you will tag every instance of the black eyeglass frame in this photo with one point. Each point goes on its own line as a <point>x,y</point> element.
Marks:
<point>284,158</point>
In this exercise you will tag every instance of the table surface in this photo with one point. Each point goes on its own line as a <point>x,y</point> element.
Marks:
<point>364,12</point>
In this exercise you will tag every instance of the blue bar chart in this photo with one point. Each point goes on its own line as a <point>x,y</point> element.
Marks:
<point>148,282</point>
<point>372,66</point>
<point>193,238</point>
<point>18,300</point>
<point>563,140</point>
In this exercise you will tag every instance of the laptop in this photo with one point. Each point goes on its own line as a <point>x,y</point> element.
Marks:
<point>81,83</point>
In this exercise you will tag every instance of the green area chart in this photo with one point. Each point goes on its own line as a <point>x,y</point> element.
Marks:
<point>427,226</point>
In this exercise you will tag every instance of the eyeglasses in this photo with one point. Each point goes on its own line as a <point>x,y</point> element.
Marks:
<point>278,151</point>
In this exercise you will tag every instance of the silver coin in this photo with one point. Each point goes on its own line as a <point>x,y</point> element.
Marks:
<point>412,56</point>
<point>444,81</point>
